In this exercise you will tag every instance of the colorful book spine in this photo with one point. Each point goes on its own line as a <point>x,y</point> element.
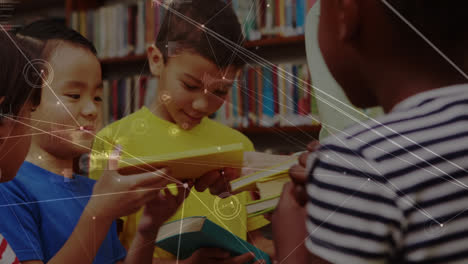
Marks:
<point>271,96</point>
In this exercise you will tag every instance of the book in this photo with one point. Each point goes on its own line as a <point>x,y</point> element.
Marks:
<point>183,237</point>
<point>189,164</point>
<point>248,182</point>
<point>272,186</point>
<point>263,206</point>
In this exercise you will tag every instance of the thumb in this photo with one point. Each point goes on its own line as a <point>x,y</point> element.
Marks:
<point>113,162</point>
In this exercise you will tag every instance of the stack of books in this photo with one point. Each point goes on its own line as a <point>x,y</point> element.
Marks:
<point>269,183</point>
<point>279,95</point>
<point>125,96</point>
<point>266,18</point>
<point>122,29</point>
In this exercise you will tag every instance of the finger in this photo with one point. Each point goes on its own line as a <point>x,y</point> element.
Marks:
<point>303,159</point>
<point>240,259</point>
<point>313,146</point>
<point>206,180</point>
<point>219,187</point>
<point>113,162</point>
<point>300,194</point>
<point>298,174</point>
<point>231,174</point>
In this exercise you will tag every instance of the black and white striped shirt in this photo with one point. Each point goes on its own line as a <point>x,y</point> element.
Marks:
<point>395,189</point>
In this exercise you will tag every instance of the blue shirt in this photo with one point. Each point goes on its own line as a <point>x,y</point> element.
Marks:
<point>39,210</point>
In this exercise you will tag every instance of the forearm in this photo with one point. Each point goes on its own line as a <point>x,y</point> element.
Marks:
<point>86,239</point>
<point>142,249</point>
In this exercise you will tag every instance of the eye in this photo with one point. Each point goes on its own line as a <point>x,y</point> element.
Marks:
<point>221,93</point>
<point>190,87</point>
<point>73,96</point>
<point>98,99</point>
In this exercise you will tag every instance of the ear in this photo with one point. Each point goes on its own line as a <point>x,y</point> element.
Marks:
<point>5,125</point>
<point>155,60</point>
<point>349,13</point>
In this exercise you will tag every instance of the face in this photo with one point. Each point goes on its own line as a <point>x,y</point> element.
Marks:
<point>70,109</point>
<point>14,143</point>
<point>191,88</point>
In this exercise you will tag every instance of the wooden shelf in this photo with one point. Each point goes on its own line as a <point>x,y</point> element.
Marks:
<point>32,5</point>
<point>315,129</point>
<point>268,42</point>
<point>274,41</point>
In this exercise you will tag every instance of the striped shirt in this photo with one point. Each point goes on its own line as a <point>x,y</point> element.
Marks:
<point>7,256</point>
<point>395,189</point>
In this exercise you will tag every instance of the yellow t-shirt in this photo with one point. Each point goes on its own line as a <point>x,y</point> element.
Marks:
<point>134,132</point>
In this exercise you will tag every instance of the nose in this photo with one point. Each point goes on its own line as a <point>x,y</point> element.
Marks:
<point>201,104</point>
<point>89,109</point>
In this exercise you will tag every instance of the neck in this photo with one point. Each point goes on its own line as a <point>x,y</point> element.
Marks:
<point>46,160</point>
<point>393,87</point>
<point>160,111</point>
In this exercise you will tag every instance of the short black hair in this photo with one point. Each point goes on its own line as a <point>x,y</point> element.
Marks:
<point>51,29</point>
<point>20,80</point>
<point>443,22</point>
<point>177,34</point>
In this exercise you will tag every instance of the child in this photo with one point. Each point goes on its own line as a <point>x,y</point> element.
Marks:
<point>390,190</point>
<point>48,215</point>
<point>19,95</point>
<point>195,72</point>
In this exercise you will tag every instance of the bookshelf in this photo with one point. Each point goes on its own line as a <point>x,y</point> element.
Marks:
<point>276,49</point>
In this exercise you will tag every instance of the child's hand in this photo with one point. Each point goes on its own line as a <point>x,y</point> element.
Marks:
<point>115,195</point>
<point>218,256</point>
<point>289,242</point>
<point>298,174</point>
<point>160,209</point>
<point>217,181</point>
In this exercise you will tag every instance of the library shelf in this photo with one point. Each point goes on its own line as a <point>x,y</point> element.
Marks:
<point>251,45</point>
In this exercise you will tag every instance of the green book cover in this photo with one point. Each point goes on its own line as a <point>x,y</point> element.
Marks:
<point>183,237</point>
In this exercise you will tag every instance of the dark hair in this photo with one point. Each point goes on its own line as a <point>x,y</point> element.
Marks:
<point>177,34</point>
<point>49,30</point>
<point>20,81</point>
<point>442,22</point>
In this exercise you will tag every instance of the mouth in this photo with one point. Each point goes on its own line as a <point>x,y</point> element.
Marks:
<point>194,118</point>
<point>88,129</point>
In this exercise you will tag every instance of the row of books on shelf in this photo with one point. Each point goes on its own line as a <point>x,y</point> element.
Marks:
<point>126,29</point>
<point>121,29</point>
<point>264,18</point>
<point>278,95</point>
<point>281,95</point>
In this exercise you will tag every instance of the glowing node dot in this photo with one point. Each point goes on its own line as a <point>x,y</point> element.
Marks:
<point>219,148</point>
<point>441,225</point>
<point>368,179</point>
<point>42,71</point>
<point>224,78</point>
<point>94,218</point>
<point>202,26</point>
<point>81,128</point>
<point>268,5</point>
<point>205,91</point>
<point>185,126</point>
<point>142,125</point>
<point>185,185</point>
<point>40,157</point>
<point>118,180</point>
<point>58,102</point>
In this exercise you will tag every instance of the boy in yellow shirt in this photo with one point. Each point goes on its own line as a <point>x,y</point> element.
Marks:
<point>195,72</point>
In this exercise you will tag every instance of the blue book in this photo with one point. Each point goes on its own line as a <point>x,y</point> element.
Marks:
<point>300,16</point>
<point>183,237</point>
<point>296,90</point>
<point>268,97</point>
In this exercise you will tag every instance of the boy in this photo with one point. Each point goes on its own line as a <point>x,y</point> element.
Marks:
<point>50,215</point>
<point>391,190</point>
<point>195,72</point>
<point>18,97</point>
